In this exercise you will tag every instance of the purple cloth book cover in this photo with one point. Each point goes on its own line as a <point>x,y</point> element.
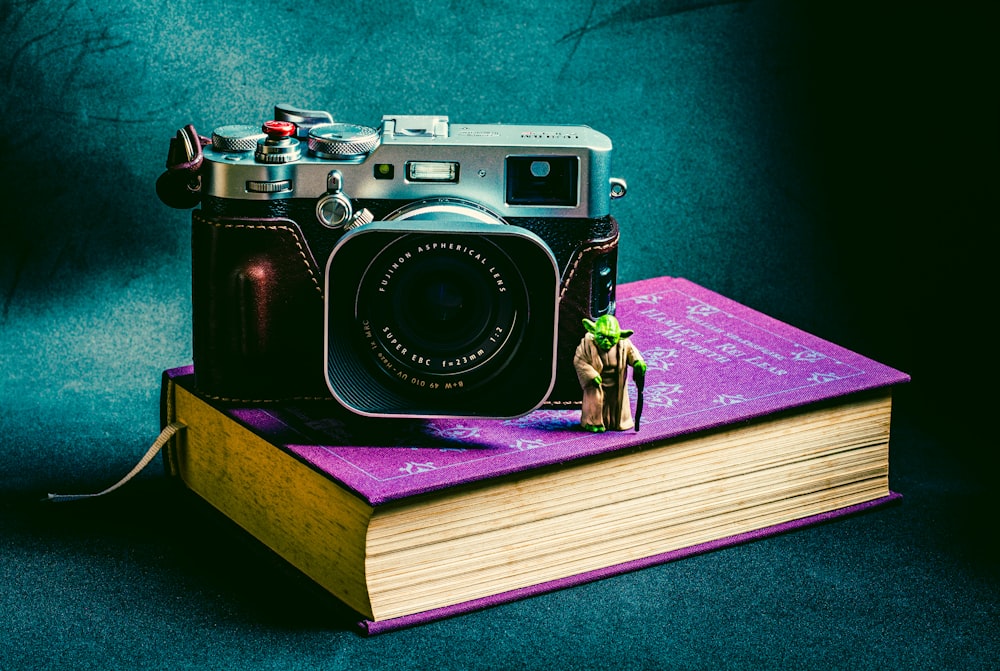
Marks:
<point>711,362</point>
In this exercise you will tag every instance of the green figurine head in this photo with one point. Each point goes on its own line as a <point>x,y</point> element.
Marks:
<point>606,331</point>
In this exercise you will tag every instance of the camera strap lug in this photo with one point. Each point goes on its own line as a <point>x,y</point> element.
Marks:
<point>180,185</point>
<point>618,188</point>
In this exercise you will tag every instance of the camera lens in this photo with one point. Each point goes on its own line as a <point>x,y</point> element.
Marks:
<point>446,317</point>
<point>442,309</point>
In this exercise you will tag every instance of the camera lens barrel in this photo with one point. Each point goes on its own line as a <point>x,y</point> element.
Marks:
<point>431,319</point>
<point>442,307</point>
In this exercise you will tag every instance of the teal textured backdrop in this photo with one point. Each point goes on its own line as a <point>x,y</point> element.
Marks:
<point>834,166</point>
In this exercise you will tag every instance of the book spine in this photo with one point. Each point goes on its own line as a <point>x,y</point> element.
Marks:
<point>168,414</point>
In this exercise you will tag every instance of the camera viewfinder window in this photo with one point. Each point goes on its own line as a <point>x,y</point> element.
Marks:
<point>542,180</point>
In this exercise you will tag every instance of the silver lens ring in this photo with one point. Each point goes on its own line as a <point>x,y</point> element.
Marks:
<point>445,208</point>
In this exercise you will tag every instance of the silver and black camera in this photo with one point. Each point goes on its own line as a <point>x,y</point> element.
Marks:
<point>421,268</point>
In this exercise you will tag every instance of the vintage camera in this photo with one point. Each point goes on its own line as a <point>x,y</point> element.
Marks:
<point>422,268</point>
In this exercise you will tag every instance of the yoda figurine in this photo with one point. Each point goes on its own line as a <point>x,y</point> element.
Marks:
<point>601,361</point>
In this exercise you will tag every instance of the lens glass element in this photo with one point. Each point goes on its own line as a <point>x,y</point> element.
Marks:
<point>443,310</point>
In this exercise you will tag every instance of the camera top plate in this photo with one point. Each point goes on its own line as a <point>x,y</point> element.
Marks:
<point>418,157</point>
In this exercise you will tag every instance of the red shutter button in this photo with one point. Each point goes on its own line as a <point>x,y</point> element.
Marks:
<point>280,145</point>
<point>276,129</point>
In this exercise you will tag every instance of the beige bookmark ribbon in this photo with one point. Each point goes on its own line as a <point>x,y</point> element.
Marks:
<point>168,432</point>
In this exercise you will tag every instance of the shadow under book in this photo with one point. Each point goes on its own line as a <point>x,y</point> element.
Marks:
<point>751,428</point>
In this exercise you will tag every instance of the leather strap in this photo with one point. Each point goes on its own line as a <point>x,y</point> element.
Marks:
<point>180,185</point>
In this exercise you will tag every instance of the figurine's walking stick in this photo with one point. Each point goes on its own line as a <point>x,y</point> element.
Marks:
<point>639,376</point>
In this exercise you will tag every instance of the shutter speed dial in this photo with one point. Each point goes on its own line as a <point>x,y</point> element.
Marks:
<point>342,140</point>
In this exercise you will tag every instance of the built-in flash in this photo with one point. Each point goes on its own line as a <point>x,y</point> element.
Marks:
<point>432,171</point>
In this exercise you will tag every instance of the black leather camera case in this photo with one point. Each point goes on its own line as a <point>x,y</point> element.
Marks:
<point>257,293</point>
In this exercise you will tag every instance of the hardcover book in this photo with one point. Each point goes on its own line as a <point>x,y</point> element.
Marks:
<point>750,428</point>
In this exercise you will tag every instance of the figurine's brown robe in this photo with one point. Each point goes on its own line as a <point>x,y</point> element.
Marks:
<point>605,405</point>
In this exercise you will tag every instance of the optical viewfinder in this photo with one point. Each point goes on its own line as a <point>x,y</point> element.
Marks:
<point>543,180</point>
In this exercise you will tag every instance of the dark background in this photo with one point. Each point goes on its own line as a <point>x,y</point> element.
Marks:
<point>833,165</point>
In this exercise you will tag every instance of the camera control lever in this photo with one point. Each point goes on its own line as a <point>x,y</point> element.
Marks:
<point>334,209</point>
<point>360,218</point>
<point>304,120</point>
